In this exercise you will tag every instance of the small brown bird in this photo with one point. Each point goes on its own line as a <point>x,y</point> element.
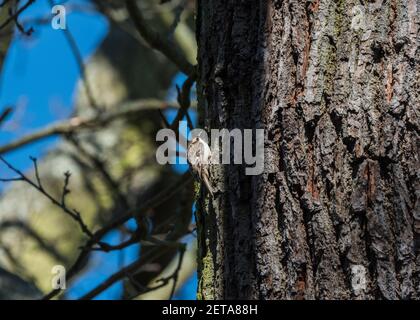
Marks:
<point>199,158</point>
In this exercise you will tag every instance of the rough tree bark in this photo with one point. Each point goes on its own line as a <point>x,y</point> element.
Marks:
<point>336,212</point>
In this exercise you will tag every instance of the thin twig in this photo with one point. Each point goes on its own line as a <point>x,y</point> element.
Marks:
<point>16,14</point>
<point>66,190</point>
<point>162,281</point>
<point>176,272</point>
<point>5,113</point>
<point>20,26</point>
<point>38,179</point>
<point>184,102</point>
<point>73,213</point>
<point>163,118</point>
<point>124,244</point>
<point>101,168</point>
<point>80,63</point>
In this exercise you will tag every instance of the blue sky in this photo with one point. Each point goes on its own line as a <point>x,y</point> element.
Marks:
<point>40,74</point>
<point>38,79</point>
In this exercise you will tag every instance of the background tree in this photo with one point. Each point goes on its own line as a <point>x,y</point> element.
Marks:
<point>108,149</point>
<point>335,85</point>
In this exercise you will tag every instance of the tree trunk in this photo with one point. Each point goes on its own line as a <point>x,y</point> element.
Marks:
<point>336,212</point>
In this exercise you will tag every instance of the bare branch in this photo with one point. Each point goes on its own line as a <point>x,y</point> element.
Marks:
<point>178,10</point>
<point>10,179</point>
<point>178,268</point>
<point>14,16</point>
<point>5,113</point>
<point>86,250</point>
<point>184,102</point>
<point>147,258</point>
<point>107,248</point>
<point>121,274</point>
<point>69,126</point>
<point>154,39</point>
<point>162,281</point>
<point>153,202</point>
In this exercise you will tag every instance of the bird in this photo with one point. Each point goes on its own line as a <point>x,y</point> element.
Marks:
<point>199,157</point>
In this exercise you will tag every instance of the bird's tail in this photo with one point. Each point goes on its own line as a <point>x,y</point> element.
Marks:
<point>208,186</point>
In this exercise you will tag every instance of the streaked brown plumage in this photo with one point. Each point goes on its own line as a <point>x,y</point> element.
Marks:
<point>199,158</point>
